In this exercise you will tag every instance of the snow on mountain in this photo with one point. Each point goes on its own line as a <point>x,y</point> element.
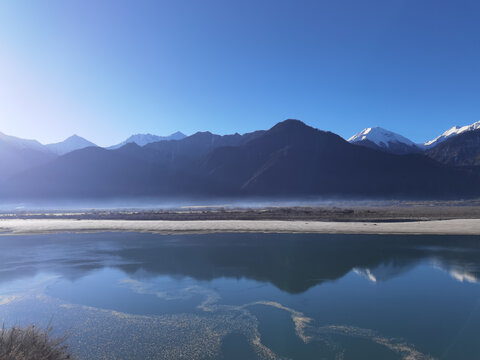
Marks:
<point>73,143</point>
<point>379,136</point>
<point>144,139</point>
<point>383,272</point>
<point>452,132</point>
<point>386,140</point>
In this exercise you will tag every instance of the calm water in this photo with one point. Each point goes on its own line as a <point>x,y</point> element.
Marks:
<point>247,296</point>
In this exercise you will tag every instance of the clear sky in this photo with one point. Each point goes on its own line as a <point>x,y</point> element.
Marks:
<point>107,69</point>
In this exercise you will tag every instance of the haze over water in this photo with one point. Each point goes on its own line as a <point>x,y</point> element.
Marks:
<point>247,296</point>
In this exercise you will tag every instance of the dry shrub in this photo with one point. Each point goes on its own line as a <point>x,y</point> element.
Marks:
<point>32,343</point>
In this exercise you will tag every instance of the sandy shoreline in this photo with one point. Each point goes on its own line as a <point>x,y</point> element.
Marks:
<point>434,227</point>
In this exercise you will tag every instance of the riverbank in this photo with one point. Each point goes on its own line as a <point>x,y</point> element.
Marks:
<point>348,211</point>
<point>432,227</point>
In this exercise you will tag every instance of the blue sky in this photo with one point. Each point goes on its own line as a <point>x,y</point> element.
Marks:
<point>107,69</point>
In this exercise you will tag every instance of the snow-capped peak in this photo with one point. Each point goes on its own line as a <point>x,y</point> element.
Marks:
<point>452,132</point>
<point>380,137</point>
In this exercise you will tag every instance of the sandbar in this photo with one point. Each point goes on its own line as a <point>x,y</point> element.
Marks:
<point>432,227</point>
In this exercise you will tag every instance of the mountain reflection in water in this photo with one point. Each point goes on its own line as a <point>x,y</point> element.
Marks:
<point>292,263</point>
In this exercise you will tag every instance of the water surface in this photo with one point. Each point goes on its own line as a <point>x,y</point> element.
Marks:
<point>247,296</point>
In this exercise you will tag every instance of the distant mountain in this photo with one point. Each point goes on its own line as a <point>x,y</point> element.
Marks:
<point>144,139</point>
<point>381,139</point>
<point>451,133</point>
<point>462,149</point>
<point>289,160</point>
<point>199,144</point>
<point>165,168</point>
<point>17,155</point>
<point>20,144</point>
<point>73,143</point>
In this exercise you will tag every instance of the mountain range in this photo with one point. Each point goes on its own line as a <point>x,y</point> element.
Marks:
<point>450,133</point>
<point>291,159</point>
<point>385,140</point>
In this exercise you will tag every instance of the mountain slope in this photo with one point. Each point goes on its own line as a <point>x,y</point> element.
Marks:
<point>198,145</point>
<point>382,139</point>
<point>70,144</point>
<point>17,155</point>
<point>96,172</point>
<point>165,168</point>
<point>462,149</point>
<point>144,139</point>
<point>454,131</point>
<point>295,159</point>
<point>20,144</point>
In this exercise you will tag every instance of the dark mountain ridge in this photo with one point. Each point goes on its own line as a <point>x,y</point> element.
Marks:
<point>289,160</point>
<point>461,150</point>
<point>295,159</point>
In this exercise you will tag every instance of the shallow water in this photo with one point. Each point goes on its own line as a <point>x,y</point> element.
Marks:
<point>247,296</point>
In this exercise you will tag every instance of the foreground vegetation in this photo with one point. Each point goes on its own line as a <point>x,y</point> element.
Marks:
<point>31,343</point>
